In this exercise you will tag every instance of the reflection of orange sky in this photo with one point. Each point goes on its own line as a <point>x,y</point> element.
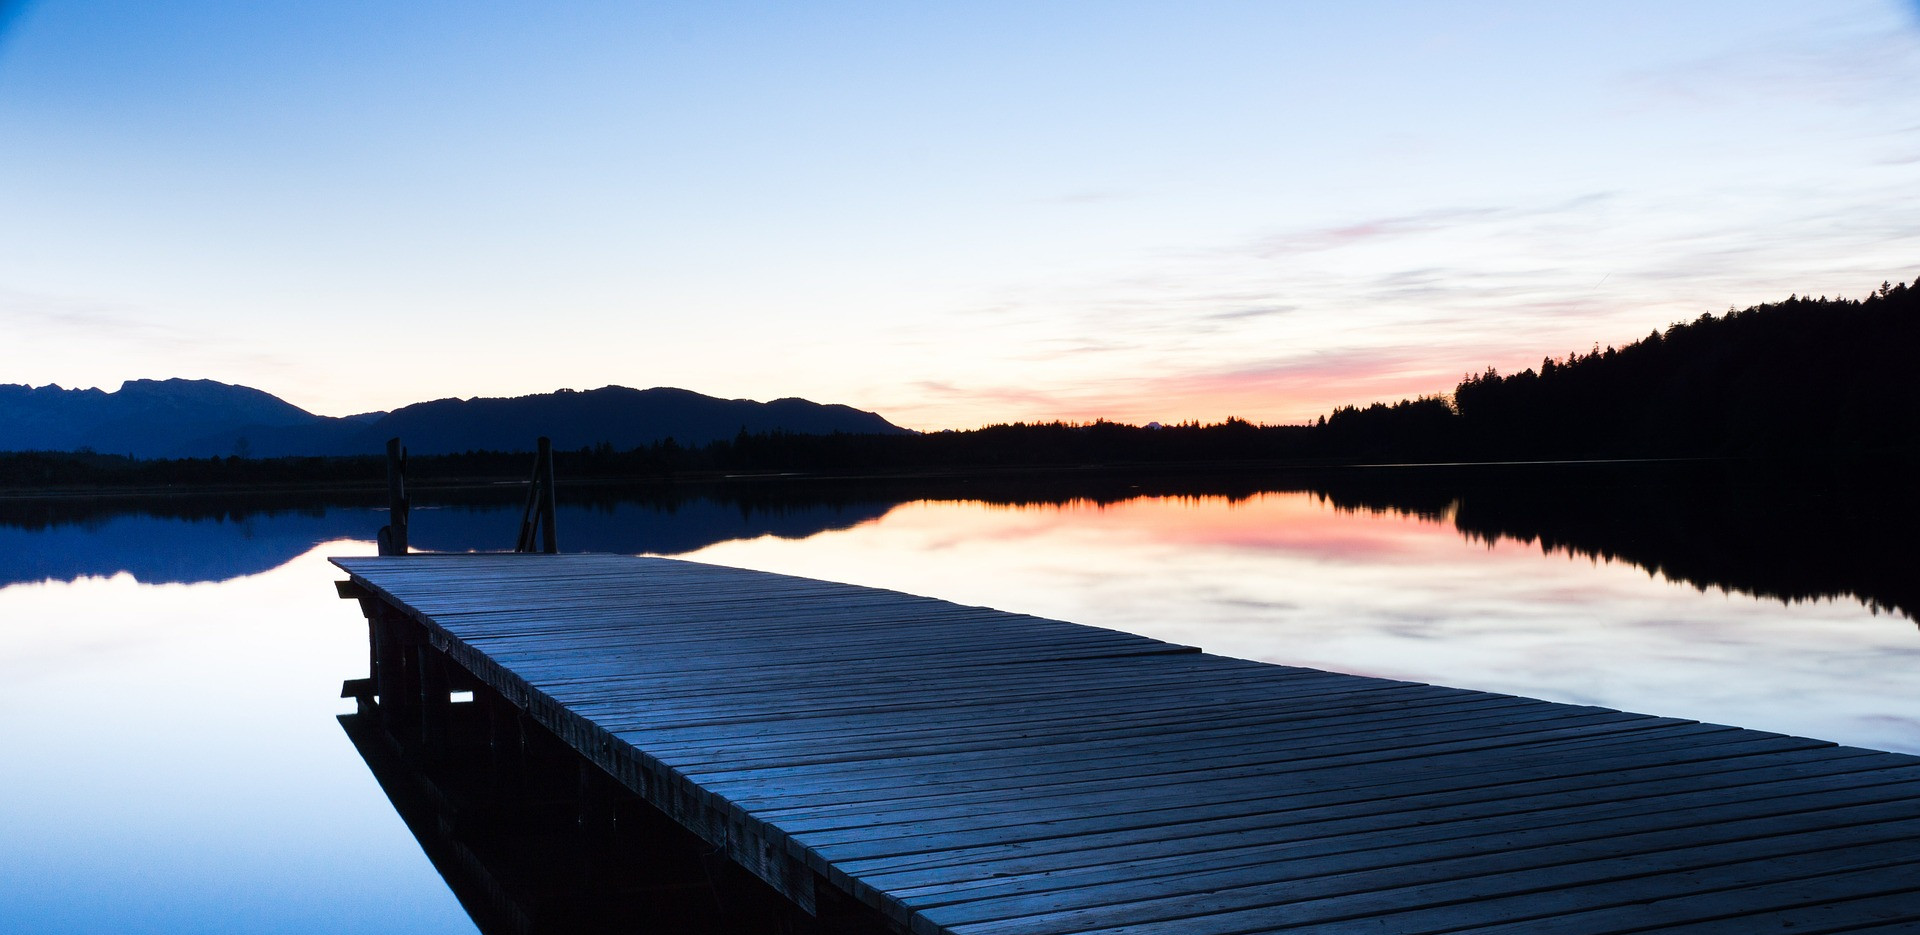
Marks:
<point>1277,521</point>
<point>1287,578</point>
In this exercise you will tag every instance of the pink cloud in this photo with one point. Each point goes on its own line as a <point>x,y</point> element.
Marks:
<point>1275,392</point>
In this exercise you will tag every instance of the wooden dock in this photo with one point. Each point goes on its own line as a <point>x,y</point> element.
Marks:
<point>971,771</point>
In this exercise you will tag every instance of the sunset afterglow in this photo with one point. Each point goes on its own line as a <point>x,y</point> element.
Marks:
<point>952,216</point>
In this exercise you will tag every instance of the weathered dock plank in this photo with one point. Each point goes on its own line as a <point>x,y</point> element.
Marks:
<point>969,771</point>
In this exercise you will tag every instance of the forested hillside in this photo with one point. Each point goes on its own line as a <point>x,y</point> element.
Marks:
<point>1803,375</point>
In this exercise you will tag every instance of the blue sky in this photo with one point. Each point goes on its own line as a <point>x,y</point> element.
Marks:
<point>952,214</point>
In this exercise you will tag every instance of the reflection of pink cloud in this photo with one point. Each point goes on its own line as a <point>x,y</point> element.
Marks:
<point>1295,523</point>
<point>1290,522</point>
<point>1286,522</point>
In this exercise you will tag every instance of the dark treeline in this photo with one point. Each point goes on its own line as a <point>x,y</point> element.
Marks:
<point>1804,377</point>
<point>995,447</point>
<point>39,470</point>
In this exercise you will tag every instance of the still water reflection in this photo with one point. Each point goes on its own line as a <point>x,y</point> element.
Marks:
<point>169,671</point>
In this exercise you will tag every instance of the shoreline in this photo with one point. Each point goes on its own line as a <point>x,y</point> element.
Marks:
<point>1025,473</point>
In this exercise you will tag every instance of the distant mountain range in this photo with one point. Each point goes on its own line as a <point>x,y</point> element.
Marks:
<point>1800,378</point>
<point>205,418</point>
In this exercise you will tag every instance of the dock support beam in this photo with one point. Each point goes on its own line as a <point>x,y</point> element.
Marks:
<point>415,667</point>
<point>531,831</point>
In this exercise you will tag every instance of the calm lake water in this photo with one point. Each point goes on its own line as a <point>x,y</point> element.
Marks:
<point>170,670</point>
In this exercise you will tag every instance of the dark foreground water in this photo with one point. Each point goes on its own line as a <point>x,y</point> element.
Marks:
<point>170,670</point>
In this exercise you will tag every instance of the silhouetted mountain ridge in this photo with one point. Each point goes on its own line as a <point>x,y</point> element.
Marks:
<point>205,418</point>
<point>144,417</point>
<point>614,415</point>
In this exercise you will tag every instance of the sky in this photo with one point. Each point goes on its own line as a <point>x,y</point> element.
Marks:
<point>951,214</point>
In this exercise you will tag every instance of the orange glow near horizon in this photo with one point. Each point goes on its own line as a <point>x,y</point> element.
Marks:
<point>1291,397</point>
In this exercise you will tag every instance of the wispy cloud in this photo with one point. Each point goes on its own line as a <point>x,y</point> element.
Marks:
<point>1438,220</point>
<point>29,313</point>
<point>1284,325</point>
<point>1018,397</point>
<point>1839,63</point>
<point>84,341</point>
<point>1258,311</point>
<point>1096,196</point>
<point>1294,243</point>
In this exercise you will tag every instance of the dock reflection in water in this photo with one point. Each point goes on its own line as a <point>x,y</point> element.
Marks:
<point>533,838</point>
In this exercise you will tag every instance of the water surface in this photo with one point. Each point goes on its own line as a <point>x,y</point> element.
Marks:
<point>170,670</point>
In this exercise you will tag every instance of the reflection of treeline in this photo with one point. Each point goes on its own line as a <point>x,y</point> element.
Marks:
<point>36,513</point>
<point>1783,530</point>
<point>761,496</point>
<point>1792,532</point>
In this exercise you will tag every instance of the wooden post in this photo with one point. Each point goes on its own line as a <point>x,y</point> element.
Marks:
<point>530,514</point>
<point>388,650</point>
<point>433,702</point>
<point>549,537</point>
<point>538,517</point>
<point>393,536</point>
